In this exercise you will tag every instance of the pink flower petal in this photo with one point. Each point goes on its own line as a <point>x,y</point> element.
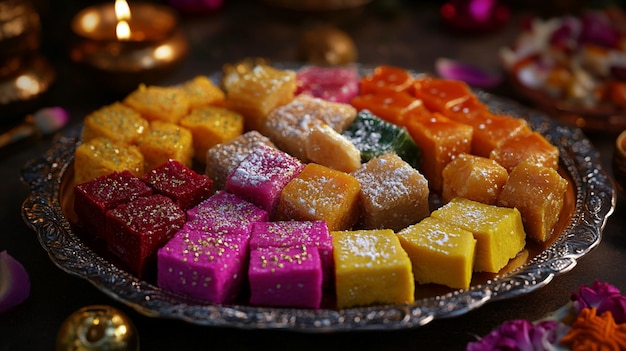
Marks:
<point>14,282</point>
<point>472,75</point>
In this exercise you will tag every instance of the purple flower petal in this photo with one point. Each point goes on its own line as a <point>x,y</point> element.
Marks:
<point>593,296</point>
<point>14,282</point>
<point>472,75</point>
<point>521,335</point>
<point>617,305</point>
<point>597,29</point>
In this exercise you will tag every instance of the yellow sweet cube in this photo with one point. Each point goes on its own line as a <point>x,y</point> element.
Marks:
<point>155,103</point>
<point>321,193</point>
<point>254,89</point>
<point>393,194</point>
<point>116,122</point>
<point>201,91</point>
<point>288,126</point>
<point>101,156</point>
<point>440,252</point>
<point>499,231</point>
<point>473,177</point>
<point>211,125</point>
<point>538,192</point>
<point>164,141</point>
<point>371,267</point>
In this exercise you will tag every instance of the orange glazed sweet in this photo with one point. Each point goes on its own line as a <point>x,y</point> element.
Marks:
<point>440,140</point>
<point>321,193</point>
<point>387,78</point>
<point>491,131</point>
<point>474,178</point>
<point>388,105</point>
<point>448,97</point>
<point>538,193</point>
<point>527,147</point>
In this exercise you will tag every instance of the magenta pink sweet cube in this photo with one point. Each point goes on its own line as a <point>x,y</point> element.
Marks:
<point>314,234</point>
<point>285,277</point>
<point>207,266</point>
<point>262,175</point>
<point>225,212</point>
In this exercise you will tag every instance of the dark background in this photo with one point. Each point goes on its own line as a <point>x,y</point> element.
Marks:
<point>403,33</point>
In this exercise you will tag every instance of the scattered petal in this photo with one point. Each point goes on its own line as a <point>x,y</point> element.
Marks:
<point>521,335</point>
<point>592,296</point>
<point>14,282</point>
<point>472,75</point>
<point>49,120</point>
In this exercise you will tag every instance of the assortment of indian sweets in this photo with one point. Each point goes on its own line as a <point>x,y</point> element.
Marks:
<point>317,187</point>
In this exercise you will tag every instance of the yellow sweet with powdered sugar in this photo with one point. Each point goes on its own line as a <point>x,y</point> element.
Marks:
<point>371,268</point>
<point>499,231</point>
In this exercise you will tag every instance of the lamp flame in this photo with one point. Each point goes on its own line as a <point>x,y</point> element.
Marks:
<point>122,13</point>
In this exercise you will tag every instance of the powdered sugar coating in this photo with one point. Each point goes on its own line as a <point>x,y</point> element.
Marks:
<point>225,212</point>
<point>287,126</point>
<point>262,175</point>
<point>223,158</point>
<point>393,194</point>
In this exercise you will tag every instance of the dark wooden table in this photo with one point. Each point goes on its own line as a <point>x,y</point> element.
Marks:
<point>403,33</point>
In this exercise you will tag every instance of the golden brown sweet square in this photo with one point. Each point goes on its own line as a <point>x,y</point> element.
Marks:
<point>440,252</point>
<point>538,193</point>
<point>473,177</point>
<point>255,89</point>
<point>166,141</point>
<point>321,193</point>
<point>201,91</point>
<point>393,194</point>
<point>371,267</point>
<point>101,156</point>
<point>116,122</point>
<point>288,126</point>
<point>533,147</point>
<point>491,130</point>
<point>155,103</point>
<point>211,125</point>
<point>221,159</point>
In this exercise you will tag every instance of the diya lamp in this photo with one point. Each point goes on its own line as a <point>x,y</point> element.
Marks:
<point>125,45</point>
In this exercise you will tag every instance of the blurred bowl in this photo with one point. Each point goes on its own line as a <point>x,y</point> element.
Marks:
<point>601,118</point>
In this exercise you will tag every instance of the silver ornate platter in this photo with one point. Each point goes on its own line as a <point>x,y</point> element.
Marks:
<point>590,201</point>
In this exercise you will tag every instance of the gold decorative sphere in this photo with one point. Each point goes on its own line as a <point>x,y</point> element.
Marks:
<point>326,45</point>
<point>97,327</point>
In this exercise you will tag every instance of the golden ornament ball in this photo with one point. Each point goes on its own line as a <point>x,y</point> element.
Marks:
<point>326,45</point>
<point>97,327</point>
